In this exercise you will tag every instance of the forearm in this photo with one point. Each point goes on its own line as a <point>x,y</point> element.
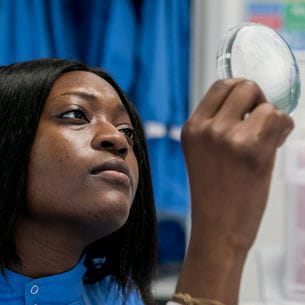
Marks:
<point>230,161</point>
<point>212,273</point>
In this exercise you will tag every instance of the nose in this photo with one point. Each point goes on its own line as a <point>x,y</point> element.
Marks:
<point>108,137</point>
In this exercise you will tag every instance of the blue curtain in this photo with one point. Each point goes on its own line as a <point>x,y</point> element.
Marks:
<point>143,44</point>
<point>162,95</point>
<point>35,29</point>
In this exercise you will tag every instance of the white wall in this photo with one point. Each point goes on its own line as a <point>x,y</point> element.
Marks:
<point>211,19</point>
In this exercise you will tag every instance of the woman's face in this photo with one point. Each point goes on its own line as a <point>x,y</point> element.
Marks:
<point>83,172</point>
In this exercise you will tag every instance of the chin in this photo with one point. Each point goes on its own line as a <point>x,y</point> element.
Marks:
<point>108,217</point>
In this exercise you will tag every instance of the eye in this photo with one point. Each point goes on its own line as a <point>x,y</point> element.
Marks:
<point>75,114</point>
<point>128,132</point>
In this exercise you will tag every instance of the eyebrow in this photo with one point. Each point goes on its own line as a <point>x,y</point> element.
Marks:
<point>82,94</point>
<point>90,97</point>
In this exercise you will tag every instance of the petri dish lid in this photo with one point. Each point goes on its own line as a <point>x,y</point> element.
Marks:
<point>256,52</point>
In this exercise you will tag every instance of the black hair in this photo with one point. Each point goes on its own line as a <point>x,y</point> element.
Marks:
<point>128,255</point>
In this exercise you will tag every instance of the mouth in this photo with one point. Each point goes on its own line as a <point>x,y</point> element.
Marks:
<point>113,170</point>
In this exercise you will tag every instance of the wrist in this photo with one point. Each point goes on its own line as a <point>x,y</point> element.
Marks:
<point>212,273</point>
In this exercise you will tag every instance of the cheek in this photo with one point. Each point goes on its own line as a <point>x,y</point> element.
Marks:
<point>52,171</point>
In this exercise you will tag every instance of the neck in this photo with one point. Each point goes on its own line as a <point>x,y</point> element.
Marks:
<point>46,249</point>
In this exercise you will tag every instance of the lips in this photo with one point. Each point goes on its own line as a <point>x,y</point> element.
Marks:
<point>112,165</point>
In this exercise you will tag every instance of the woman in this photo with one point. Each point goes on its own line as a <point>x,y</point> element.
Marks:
<point>76,187</point>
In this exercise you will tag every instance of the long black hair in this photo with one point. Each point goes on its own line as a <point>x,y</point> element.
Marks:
<point>128,255</point>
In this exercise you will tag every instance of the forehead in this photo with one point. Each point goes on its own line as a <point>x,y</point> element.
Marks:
<point>85,82</point>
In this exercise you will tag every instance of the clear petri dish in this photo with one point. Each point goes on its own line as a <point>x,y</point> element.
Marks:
<point>256,52</point>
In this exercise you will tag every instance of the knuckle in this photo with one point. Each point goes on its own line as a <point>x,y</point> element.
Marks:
<point>186,131</point>
<point>191,130</point>
<point>240,145</point>
<point>219,136</point>
<point>206,131</point>
<point>212,133</point>
<point>248,83</point>
<point>247,151</point>
<point>273,114</point>
<point>269,108</point>
<point>250,86</point>
<point>221,84</point>
<point>284,119</point>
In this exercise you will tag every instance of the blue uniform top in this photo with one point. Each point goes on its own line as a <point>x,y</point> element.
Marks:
<point>65,289</point>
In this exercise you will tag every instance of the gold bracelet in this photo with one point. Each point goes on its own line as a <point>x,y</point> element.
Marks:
<point>189,300</point>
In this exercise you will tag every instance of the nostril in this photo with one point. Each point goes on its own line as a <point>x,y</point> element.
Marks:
<point>107,144</point>
<point>122,151</point>
<point>111,146</point>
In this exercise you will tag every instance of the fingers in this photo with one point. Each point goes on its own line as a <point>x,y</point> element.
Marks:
<point>230,99</point>
<point>243,98</point>
<point>214,98</point>
<point>222,113</point>
<point>270,125</point>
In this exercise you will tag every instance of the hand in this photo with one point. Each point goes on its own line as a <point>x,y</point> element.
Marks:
<point>230,144</point>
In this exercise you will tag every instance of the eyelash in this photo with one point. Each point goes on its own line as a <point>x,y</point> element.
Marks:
<point>128,132</point>
<point>82,113</point>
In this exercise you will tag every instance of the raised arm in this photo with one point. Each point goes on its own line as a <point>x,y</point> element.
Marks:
<point>229,159</point>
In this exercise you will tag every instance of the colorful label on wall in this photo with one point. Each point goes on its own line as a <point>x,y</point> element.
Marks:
<point>268,13</point>
<point>294,16</point>
<point>286,17</point>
